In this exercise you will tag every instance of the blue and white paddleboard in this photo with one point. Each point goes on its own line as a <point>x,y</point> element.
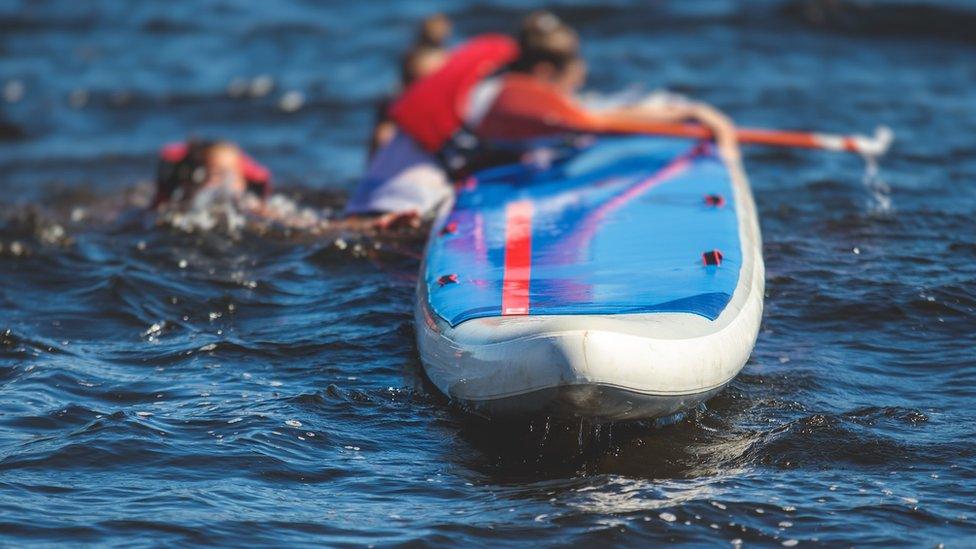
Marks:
<point>620,280</point>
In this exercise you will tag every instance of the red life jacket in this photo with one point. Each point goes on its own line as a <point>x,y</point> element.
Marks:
<point>174,170</point>
<point>431,110</point>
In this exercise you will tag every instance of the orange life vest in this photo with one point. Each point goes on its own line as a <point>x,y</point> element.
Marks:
<point>526,107</point>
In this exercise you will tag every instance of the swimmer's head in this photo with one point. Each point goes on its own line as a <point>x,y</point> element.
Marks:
<point>208,165</point>
<point>549,49</point>
<point>224,163</point>
<point>434,31</point>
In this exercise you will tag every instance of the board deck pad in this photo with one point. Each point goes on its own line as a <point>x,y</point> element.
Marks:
<point>619,226</point>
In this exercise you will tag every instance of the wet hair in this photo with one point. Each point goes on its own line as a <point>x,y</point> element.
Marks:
<point>544,38</point>
<point>182,179</point>
<point>198,149</point>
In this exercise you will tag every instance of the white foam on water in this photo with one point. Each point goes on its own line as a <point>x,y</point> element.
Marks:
<point>215,211</point>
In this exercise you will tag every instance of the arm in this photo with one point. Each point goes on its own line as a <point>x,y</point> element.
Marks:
<point>527,107</point>
<point>720,125</point>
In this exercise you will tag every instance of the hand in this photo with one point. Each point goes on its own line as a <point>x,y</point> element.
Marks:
<point>398,221</point>
<point>723,128</point>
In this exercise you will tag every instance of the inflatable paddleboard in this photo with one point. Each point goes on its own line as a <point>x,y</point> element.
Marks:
<point>620,278</point>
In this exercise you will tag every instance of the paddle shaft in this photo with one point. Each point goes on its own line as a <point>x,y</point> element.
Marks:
<point>807,140</point>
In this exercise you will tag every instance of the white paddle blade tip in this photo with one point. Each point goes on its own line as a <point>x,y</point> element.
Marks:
<point>884,136</point>
<point>877,145</point>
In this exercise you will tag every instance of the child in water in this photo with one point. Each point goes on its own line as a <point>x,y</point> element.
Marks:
<point>196,172</point>
<point>197,175</point>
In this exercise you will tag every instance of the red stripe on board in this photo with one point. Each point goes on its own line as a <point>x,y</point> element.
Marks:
<point>518,258</point>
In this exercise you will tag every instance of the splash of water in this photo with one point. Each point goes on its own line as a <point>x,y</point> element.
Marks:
<point>233,216</point>
<point>880,203</point>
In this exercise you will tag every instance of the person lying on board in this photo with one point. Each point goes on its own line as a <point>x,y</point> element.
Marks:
<point>426,55</point>
<point>496,88</point>
<point>534,95</point>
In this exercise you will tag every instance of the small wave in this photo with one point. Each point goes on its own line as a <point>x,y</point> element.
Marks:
<point>24,229</point>
<point>871,415</point>
<point>72,415</point>
<point>880,204</point>
<point>10,131</point>
<point>886,18</point>
<point>16,344</point>
<point>860,438</point>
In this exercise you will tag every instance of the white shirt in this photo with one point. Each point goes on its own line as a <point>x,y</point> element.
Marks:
<point>401,177</point>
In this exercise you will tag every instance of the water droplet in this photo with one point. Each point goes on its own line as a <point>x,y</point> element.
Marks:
<point>261,86</point>
<point>13,91</point>
<point>292,101</point>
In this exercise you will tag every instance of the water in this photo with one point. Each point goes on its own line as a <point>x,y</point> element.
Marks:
<point>256,386</point>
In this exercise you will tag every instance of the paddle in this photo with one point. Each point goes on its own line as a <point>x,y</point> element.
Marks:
<point>527,101</point>
<point>871,146</point>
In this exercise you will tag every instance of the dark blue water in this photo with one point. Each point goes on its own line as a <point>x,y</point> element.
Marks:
<point>161,387</point>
